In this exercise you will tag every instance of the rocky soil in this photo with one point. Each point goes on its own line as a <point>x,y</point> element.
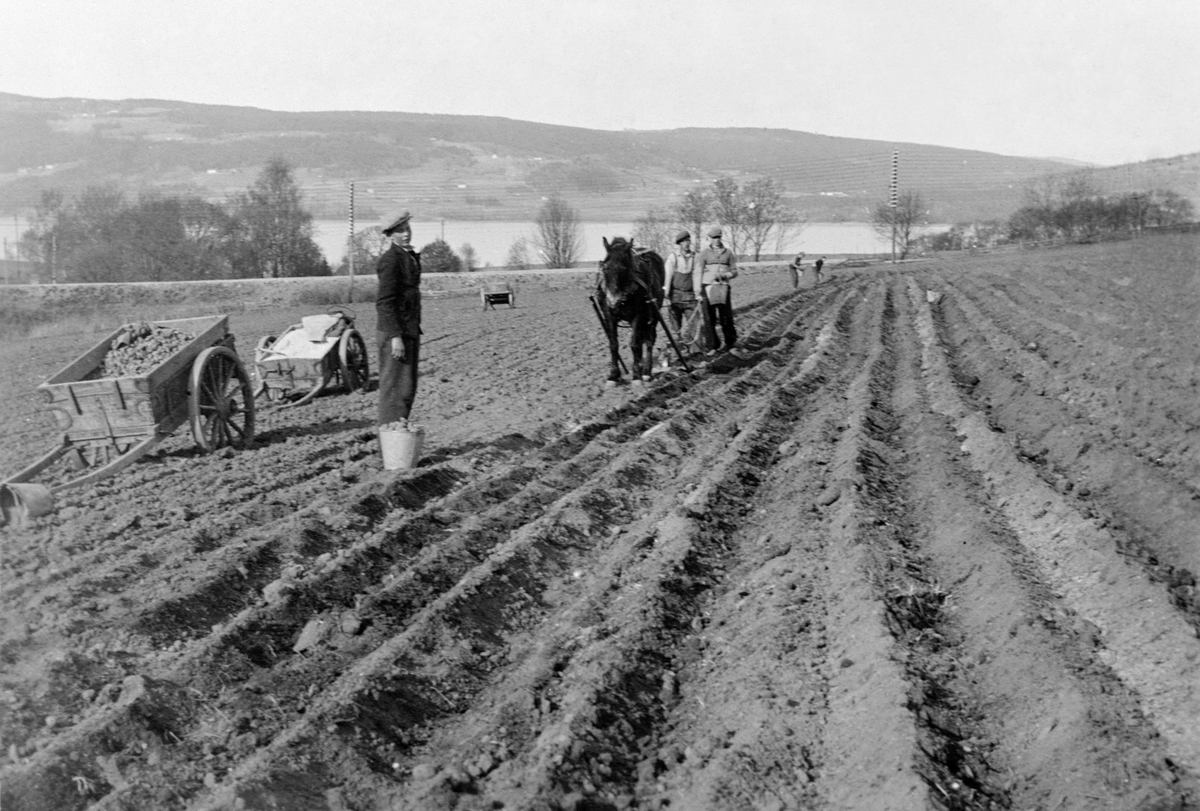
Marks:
<point>927,539</point>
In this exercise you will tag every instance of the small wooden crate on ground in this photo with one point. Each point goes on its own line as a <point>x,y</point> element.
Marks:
<point>491,295</point>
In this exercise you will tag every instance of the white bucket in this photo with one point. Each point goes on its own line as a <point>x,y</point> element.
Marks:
<point>21,502</point>
<point>718,293</point>
<point>401,448</point>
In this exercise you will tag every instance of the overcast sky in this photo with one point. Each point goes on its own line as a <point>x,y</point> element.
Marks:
<point>1094,80</point>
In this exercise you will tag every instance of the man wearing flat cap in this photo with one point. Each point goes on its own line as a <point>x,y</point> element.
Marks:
<point>679,292</point>
<point>398,319</point>
<point>715,267</point>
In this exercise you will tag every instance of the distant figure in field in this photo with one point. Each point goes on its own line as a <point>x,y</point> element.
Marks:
<point>820,263</point>
<point>796,270</point>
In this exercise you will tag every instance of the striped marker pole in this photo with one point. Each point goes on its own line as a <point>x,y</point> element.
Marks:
<point>350,250</point>
<point>894,197</point>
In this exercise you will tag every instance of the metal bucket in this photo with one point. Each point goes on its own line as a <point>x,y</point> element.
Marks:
<point>401,448</point>
<point>718,293</point>
<point>19,503</point>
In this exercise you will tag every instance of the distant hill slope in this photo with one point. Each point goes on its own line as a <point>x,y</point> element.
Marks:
<point>473,167</point>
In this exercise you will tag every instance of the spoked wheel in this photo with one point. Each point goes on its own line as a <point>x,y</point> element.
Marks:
<point>221,402</point>
<point>352,361</point>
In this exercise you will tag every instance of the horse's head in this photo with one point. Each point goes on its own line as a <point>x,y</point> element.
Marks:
<point>616,270</point>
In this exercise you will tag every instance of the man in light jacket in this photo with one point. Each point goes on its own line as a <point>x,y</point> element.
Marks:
<point>716,265</point>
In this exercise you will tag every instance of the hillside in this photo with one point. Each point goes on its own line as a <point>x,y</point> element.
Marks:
<point>475,167</point>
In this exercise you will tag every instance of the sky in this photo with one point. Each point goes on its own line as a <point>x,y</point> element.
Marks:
<point>1100,81</point>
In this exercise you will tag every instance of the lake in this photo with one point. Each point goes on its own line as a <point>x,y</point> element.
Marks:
<point>492,239</point>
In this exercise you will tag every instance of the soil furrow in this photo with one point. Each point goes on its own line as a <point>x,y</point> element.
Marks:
<point>282,636</point>
<point>1080,374</point>
<point>1080,560</point>
<point>1014,698</point>
<point>509,564</point>
<point>1157,518</point>
<point>924,539</point>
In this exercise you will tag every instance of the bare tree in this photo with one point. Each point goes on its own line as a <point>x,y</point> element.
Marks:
<point>39,243</point>
<point>518,255</point>
<point>368,245</point>
<point>470,258</point>
<point>729,209</point>
<point>790,226</point>
<point>654,230</point>
<point>901,220</point>
<point>1168,207</point>
<point>694,209</point>
<point>277,239</point>
<point>764,209</point>
<point>559,234</point>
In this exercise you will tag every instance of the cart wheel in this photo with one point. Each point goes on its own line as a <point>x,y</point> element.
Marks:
<point>352,355</point>
<point>220,401</point>
<point>329,369</point>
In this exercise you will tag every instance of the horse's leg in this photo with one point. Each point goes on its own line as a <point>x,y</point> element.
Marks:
<point>614,368</point>
<point>635,349</point>
<point>649,328</point>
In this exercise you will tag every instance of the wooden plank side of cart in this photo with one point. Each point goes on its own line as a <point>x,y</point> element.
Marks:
<point>125,408</point>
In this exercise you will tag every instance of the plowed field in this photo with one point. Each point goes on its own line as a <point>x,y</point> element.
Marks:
<point>926,539</point>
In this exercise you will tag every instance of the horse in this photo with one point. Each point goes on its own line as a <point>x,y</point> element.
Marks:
<point>629,289</point>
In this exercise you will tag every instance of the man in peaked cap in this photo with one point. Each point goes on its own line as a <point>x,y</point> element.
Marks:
<point>398,320</point>
<point>395,222</point>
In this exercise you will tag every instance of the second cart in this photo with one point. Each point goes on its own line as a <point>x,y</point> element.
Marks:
<point>322,352</point>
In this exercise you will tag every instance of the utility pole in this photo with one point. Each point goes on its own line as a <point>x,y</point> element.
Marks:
<point>350,244</point>
<point>893,203</point>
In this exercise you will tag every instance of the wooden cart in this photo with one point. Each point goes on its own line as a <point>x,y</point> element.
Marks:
<point>498,294</point>
<point>321,352</point>
<point>109,423</point>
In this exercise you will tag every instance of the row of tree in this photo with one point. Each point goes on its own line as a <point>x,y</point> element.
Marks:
<point>753,217</point>
<point>101,236</point>
<point>368,244</point>
<point>266,231</point>
<point>1071,209</point>
<point>557,242</point>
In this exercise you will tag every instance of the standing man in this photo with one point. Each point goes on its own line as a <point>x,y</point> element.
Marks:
<point>715,266</point>
<point>820,263</point>
<point>796,270</point>
<point>679,292</point>
<point>398,321</point>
